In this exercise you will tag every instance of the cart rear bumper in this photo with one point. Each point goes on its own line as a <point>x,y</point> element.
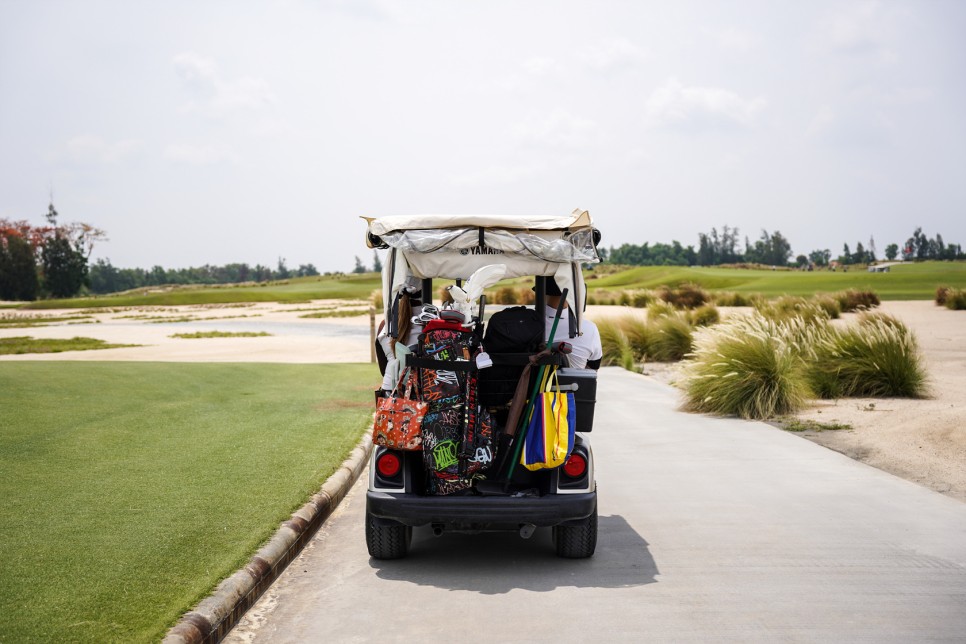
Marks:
<point>496,512</point>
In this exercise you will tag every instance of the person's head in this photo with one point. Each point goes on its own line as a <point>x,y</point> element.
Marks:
<point>553,293</point>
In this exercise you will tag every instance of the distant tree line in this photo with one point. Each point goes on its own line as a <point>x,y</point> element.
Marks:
<point>772,249</point>
<point>53,261</point>
<point>44,261</point>
<point>105,278</point>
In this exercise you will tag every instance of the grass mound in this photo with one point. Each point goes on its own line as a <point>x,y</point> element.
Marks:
<point>750,367</point>
<point>25,344</point>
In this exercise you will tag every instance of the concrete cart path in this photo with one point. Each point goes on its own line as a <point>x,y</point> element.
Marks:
<point>710,529</point>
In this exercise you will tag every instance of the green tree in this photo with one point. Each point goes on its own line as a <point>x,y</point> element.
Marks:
<point>64,267</point>
<point>892,251</point>
<point>359,267</point>
<point>18,268</point>
<point>282,271</point>
<point>376,264</point>
<point>820,257</point>
<point>846,256</point>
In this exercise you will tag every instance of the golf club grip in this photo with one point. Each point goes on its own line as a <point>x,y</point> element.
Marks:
<point>562,347</point>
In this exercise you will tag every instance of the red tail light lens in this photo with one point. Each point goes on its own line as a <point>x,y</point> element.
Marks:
<point>576,466</point>
<point>388,464</point>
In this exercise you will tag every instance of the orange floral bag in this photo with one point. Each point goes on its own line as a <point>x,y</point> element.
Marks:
<point>398,421</point>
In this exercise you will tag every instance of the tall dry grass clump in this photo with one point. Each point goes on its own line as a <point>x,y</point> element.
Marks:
<point>956,299</point>
<point>684,296</point>
<point>705,315</point>
<point>828,304</point>
<point>750,367</point>
<point>616,348</point>
<point>638,334</point>
<point>788,307</point>
<point>670,338</point>
<point>641,299</point>
<point>854,300</point>
<point>730,298</point>
<point>941,293</point>
<point>659,309</point>
<point>876,358</point>
<point>629,340</point>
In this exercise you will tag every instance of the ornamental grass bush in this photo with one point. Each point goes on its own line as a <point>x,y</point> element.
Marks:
<point>941,293</point>
<point>730,298</point>
<point>788,307</point>
<point>684,296</point>
<point>854,300</point>
<point>956,299</point>
<point>659,309</point>
<point>670,338</point>
<point>705,315</point>
<point>750,367</point>
<point>876,358</point>
<point>616,348</point>
<point>638,334</point>
<point>641,299</point>
<point>828,304</point>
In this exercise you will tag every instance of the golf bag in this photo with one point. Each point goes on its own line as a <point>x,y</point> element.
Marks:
<point>457,431</point>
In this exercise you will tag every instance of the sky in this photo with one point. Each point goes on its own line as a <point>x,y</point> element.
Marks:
<point>215,132</point>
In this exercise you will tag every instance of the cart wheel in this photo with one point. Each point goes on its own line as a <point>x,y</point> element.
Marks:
<point>577,541</point>
<point>387,540</point>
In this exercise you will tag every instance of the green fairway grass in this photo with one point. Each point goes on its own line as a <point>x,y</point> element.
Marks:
<point>131,489</point>
<point>297,289</point>
<point>903,282</point>
<point>913,281</point>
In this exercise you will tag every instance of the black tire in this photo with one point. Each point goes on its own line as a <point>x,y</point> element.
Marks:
<point>387,540</point>
<point>577,541</point>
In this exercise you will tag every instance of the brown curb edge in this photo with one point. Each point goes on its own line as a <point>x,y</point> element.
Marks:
<point>211,620</point>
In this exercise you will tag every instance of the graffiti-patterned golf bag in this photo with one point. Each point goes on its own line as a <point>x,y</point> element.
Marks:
<point>457,432</point>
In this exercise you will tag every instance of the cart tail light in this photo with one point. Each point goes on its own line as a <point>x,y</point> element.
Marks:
<point>576,466</point>
<point>388,464</point>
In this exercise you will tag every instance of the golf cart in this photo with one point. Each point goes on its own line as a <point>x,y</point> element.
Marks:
<point>486,488</point>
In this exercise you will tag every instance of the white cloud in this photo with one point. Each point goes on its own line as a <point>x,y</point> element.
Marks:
<point>541,66</point>
<point>611,55</point>
<point>90,147</point>
<point>196,154</point>
<point>497,175</point>
<point>215,95</point>
<point>732,39</point>
<point>559,129</point>
<point>674,104</point>
<point>860,29</point>
<point>852,126</point>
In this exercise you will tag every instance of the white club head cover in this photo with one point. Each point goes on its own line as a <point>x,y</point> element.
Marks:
<point>482,278</point>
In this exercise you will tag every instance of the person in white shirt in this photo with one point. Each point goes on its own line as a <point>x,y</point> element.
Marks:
<point>587,351</point>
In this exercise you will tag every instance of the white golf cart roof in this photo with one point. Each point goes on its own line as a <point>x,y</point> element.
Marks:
<point>456,246</point>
